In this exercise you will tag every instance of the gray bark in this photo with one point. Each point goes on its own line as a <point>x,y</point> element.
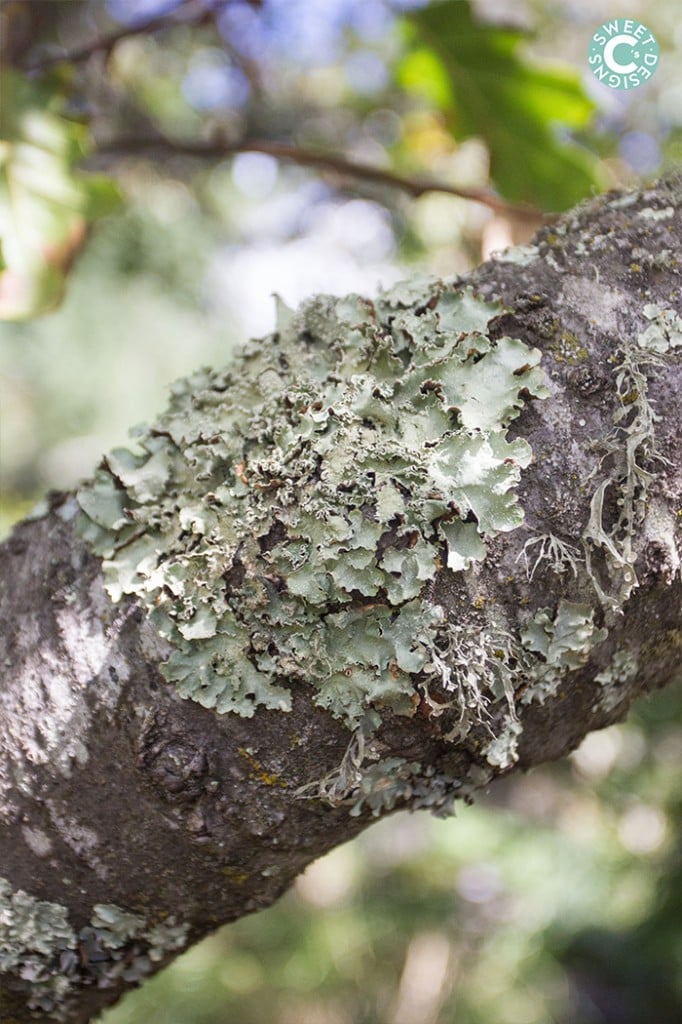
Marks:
<point>115,792</point>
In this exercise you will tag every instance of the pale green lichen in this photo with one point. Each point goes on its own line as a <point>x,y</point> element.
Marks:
<point>115,927</point>
<point>564,641</point>
<point>39,945</point>
<point>621,670</point>
<point>663,333</point>
<point>119,932</point>
<point>35,936</point>
<point>164,938</point>
<point>283,519</point>
<point>381,786</point>
<point>123,945</point>
<point>502,751</point>
<point>366,781</point>
<point>394,782</point>
<point>522,255</point>
<point>661,214</point>
<point>32,931</point>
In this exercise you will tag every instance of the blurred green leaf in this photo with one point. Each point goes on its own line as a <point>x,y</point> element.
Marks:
<point>475,74</point>
<point>45,204</point>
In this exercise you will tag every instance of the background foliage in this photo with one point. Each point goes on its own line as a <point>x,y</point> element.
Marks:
<point>558,897</point>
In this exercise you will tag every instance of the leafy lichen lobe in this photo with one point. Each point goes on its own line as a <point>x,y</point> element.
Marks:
<point>283,519</point>
<point>564,642</point>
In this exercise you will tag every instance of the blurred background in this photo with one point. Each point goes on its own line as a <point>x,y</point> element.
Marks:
<point>557,898</point>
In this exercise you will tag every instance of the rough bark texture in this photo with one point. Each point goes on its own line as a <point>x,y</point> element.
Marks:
<point>119,797</point>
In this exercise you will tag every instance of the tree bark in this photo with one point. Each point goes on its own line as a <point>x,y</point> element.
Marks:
<point>134,821</point>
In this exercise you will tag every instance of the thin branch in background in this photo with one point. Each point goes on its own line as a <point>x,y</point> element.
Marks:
<point>415,187</point>
<point>199,12</point>
<point>188,12</point>
<point>249,68</point>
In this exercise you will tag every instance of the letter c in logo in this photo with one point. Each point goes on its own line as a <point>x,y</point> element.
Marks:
<point>609,59</point>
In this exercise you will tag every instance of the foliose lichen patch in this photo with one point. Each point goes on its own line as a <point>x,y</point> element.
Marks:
<point>40,946</point>
<point>621,670</point>
<point>664,331</point>
<point>33,935</point>
<point>282,520</point>
<point>564,640</point>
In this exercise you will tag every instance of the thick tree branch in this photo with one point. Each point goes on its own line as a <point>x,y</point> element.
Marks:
<point>304,157</point>
<point>335,528</point>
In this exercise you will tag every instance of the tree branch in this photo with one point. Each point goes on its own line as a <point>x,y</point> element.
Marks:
<point>312,608</point>
<point>188,12</point>
<point>304,157</point>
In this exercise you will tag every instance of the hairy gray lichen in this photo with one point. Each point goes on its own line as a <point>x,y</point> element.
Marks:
<point>629,451</point>
<point>308,494</point>
<point>473,667</point>
<point>39,945</point>
<point>556,554</point>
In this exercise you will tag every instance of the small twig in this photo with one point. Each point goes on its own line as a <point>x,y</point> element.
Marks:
<point>249,68</point>
<point>188,12</point>
<point>414,187</point>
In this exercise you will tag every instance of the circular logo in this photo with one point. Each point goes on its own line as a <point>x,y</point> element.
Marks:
<point>623,53</point>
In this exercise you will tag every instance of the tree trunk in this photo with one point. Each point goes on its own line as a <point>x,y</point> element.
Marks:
<point>391,555</point>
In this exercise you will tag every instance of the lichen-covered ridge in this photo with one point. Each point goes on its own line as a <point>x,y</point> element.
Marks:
<point>283,519</point>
